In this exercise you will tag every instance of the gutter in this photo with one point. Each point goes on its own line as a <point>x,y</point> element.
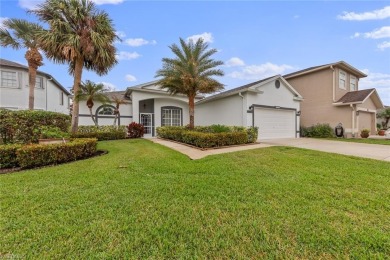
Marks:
<point>334,82</point>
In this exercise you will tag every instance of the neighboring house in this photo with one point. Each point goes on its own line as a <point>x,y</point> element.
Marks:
<point>271,104</point>
<point>332,96</point>
<point>49,95</point>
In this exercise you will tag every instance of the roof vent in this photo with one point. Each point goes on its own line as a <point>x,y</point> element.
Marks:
<point>277,83</point>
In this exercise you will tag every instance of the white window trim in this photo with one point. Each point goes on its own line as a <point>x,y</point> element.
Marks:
<point>41,87</point>
<point>17,79</point>
<point>171,118</point>
<point>351,77</point>
<point>345,79</point>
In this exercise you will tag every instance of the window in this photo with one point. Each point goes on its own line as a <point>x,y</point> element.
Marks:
<point>9,79</point>
<point>342,77</point>
<point>352,83</point>
<point>171,116</point>
<point>106,111</point>
<point>39,82</point>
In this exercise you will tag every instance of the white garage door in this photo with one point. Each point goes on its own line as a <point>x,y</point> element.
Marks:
<point>275,123</point>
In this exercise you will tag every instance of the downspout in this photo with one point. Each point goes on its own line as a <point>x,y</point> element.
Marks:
<point>334,83</point>
<point>242,108</point>
<point>353,120</point>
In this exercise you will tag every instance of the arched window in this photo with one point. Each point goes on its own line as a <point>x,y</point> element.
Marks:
<point>106,110</point>
<point>171,116</point>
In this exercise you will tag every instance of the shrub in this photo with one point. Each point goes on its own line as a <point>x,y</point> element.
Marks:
<point>36,155</point>
<point>8,157</point>
<point>318,131</point>
<point>51,132</point>
<point>205,137</point>
<point>365,133</point>
<point>23,126</point>
<point>135,130</point>
<point>107,132</point>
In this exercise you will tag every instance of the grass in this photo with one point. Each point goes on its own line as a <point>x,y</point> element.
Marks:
<point>362,140</point>
<point>143,200</point>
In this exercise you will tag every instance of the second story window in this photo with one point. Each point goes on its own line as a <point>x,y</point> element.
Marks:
<point>352,83</point>
<point>342,79</point>
<point>9,79</point>
<point>39,82</point>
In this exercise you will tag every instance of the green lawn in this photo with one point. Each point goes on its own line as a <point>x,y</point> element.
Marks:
<point>143,200</point>
<point>362,140</point>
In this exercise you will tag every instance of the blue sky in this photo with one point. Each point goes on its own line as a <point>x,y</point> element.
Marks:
<point>255,39</point>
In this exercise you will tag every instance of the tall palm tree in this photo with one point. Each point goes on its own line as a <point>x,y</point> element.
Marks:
<point>79,35</point>
<point>90,92</point>
<point>18,34</point>
<point>118,100</point>
<point>190,72</point>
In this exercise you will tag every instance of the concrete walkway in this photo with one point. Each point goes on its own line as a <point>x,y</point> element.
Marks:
<point>372,151</point>
<point>194,153</point>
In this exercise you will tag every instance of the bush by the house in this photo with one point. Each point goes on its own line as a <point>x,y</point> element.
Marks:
<point>8,155</point>
<point>23,126</point>
<point>36,155</point>
<point>318,131</point>
<point>209,136</point>
<point>107,132</point>
<point>48,132</point>
<point>135,130</point>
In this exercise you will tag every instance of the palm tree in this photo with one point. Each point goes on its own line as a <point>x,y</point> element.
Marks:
<point>118,100</point>
<point>18,34</point>
<point>190,72</point>
<point>90,91</point>
<point>79,35</point>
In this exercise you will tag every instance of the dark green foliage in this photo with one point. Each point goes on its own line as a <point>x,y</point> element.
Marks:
<point>8,155</point>
<point>23,126</point>
<point>135,130</point>
<point>318,130</point>
<point>209,136</point>
<point>36,155</point>
<point>107,132</point>
<point>47,132</point>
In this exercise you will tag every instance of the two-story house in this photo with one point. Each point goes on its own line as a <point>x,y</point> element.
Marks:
<point>332,96</point>
<point>49,94</point>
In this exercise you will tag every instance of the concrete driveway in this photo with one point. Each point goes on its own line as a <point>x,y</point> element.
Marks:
<point>372,151</point>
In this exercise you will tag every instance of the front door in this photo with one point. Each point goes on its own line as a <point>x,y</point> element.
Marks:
<point>146,119</point>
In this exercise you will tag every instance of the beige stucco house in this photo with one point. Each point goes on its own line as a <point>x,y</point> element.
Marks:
<point>332,96</point>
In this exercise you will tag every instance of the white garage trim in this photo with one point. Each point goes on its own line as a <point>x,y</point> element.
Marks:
<point>294,113</point>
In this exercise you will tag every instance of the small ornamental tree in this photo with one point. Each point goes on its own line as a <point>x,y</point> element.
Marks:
<point>135,130</point>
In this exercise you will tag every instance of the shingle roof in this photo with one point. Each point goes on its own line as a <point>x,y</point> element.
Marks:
<point>121,94</point>
<point>356,96</point>
<point>234,90</point>
<point>12,64</point>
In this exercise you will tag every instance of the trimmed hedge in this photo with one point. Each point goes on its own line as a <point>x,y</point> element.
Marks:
<point>318,131</point>
<point>36,155</point>
<point>101,133</point>
<point>21,126</point>
<point>204,137</point>
<point>8,155</point>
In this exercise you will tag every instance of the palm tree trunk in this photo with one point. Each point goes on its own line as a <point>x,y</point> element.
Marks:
<point>116,117</point>
<point>76,85</point>
<point>32,75</point>
<point>93,118</point>
<point>191,104</point>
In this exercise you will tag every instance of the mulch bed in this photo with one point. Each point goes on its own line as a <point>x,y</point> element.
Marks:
<point>17,169</point>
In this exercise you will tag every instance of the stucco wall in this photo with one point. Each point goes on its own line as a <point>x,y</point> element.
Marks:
<point>161,102</point>
<point>47,98</point>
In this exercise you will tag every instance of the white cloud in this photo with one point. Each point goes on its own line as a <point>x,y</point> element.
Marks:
<point>380,81</point>
<point>102,2</point>
<point>384,45</point>
<point>124,55</point>
<point>235,61</point>
<point>2,19</point>
<point>206,36</point>
<point>257,72</point>
<point>136,42</point>
<point>130,78</point>
<point>120,34</point>
<point>29,4</point>
<point>374,15</point>
<point>383,32</point>
<point>109,86</point>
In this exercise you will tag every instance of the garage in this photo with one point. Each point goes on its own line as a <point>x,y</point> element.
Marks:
<point>275,122</point>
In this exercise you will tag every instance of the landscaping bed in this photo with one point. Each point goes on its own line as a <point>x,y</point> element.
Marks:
<point>209,136</point>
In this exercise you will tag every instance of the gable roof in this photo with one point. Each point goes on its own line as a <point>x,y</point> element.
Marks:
<point>341,64</point>
<point>121,94</point>
<point>359,97</point>
<point>11,64</point>
<point>249,87</point>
